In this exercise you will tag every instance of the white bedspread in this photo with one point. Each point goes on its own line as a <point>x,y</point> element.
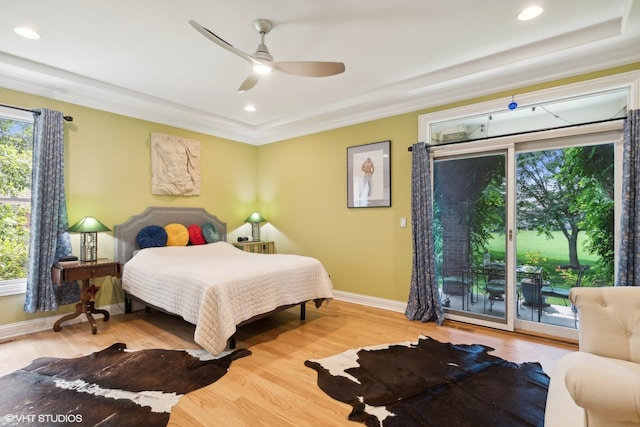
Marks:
<point>217,286</point>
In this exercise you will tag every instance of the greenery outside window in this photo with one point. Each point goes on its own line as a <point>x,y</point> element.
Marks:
<point>16,143</point>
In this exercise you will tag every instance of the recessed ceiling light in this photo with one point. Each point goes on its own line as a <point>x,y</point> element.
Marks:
<point>530,13</point>
<point>250,108</point>
<point>27,33</point>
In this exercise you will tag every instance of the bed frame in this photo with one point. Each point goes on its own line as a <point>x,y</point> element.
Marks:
<point>125,234</point>
<point>125,245</point>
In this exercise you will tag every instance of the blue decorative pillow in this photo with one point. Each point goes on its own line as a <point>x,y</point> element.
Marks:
<point>151,236</point>
<point>210,233</point>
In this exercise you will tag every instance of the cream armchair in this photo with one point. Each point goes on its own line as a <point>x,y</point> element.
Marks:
<point>599,385</point>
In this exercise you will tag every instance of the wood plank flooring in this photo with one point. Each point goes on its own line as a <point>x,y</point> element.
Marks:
<point>272,387</point>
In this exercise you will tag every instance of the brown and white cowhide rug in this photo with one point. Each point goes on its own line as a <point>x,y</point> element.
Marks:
<point>112,387</point>
<point>429,383</point>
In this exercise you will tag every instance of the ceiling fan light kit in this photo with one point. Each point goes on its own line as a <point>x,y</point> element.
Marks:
<point>262,69</point>
<point>262,60</point>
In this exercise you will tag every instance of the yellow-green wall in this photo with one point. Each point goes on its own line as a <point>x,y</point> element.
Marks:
<point>303,194</point>
<point>299,185</point>
<point>108,175</point>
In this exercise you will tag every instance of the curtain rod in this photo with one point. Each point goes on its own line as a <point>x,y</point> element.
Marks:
<point>525,132</point>
<point>66,118</point>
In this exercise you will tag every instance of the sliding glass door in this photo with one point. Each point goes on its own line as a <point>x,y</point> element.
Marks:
<point>519,223</point>
<point>565,214</point>
<point>470,205</point>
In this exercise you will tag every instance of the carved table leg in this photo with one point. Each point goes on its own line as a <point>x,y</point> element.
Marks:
<point>87,306</point>
<point>92,321</point>
<point>78,312</point>
<point>91,309</point>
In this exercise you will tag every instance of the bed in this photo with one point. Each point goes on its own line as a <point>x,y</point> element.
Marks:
<point>214,285</point>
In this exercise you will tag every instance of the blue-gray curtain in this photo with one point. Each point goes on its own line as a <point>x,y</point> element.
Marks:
<point>49,239</point>
<point>629,262</point>
<point>424,296</point>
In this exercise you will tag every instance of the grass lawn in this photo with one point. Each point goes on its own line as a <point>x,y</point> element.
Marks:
<point>553,252</point>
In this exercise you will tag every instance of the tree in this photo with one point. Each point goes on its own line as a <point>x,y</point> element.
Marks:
<point>548,197</point>
<point>15,182</point>
<point>596,167</point>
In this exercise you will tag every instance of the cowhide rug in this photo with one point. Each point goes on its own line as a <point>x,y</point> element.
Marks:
<point>112,387</point>
<point>429,383</point>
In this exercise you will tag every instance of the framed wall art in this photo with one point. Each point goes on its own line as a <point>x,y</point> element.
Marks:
<point>369,175</point>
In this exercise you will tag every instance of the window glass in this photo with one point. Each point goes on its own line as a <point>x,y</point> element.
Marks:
<point>16,139</point>
<point>534,117</point>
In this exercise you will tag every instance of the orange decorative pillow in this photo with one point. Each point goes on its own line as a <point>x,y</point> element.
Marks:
<point>195,235</point>
<point>177,235</point>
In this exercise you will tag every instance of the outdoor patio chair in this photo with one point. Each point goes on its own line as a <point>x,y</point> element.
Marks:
<point>562,292</point>
<point>457,281</point>
<point>495,284</point>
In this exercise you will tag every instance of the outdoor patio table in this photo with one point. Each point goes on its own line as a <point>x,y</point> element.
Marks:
<point>523,272</point>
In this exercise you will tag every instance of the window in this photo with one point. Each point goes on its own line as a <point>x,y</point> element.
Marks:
<point>533,116</point>
<point>16,139</point>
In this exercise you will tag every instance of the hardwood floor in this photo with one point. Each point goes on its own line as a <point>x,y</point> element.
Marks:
<point>272,387</point>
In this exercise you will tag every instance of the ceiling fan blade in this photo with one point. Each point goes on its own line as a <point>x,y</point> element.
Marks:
<point>310,68</point>
<point>217,40</point>
<point>249,82</point>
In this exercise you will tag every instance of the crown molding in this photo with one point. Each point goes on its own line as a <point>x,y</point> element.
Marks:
<point>509,70</point>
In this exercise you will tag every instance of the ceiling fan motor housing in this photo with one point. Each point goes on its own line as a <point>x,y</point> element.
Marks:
<point>262,26</point>
<point>262,53</point>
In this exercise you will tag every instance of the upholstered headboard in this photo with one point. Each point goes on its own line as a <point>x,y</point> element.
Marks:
<point>125,233</point>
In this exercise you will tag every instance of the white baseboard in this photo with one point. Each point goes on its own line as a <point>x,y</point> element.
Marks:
<point>12,330</point>
<point>370,301</point>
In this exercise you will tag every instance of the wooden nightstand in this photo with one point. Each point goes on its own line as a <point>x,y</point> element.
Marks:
<point>257,247</point>
<point>85,271</point>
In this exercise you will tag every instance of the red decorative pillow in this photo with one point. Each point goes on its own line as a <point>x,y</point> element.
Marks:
<point>195,235</point>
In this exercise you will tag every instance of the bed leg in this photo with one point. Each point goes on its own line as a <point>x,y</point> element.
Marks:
<point>127,305</point>
<point>303,311</point>
<point>232,342</point>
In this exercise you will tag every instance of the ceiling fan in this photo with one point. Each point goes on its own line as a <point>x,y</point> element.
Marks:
<point>263,62</point>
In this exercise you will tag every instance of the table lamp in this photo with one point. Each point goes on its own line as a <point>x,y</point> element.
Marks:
<point>89,227</point>
<point>255,219</point>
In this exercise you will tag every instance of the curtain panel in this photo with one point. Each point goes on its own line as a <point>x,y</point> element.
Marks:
<point>49,239</point>
<point>629,261</point>
<point>424,296</point>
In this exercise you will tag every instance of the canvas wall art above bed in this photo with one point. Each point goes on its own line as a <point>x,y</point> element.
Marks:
<point>197,275</point>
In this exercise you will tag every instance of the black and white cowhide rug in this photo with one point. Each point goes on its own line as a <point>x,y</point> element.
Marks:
<point>112,387</point>
<point>429,383</point>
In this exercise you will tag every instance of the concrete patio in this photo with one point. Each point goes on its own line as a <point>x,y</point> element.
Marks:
<point>552,314</point>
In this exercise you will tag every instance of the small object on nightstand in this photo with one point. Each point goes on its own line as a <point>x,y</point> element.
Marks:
<point>84,271</point>
<point>68,260</point>
<point>257,247</point>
